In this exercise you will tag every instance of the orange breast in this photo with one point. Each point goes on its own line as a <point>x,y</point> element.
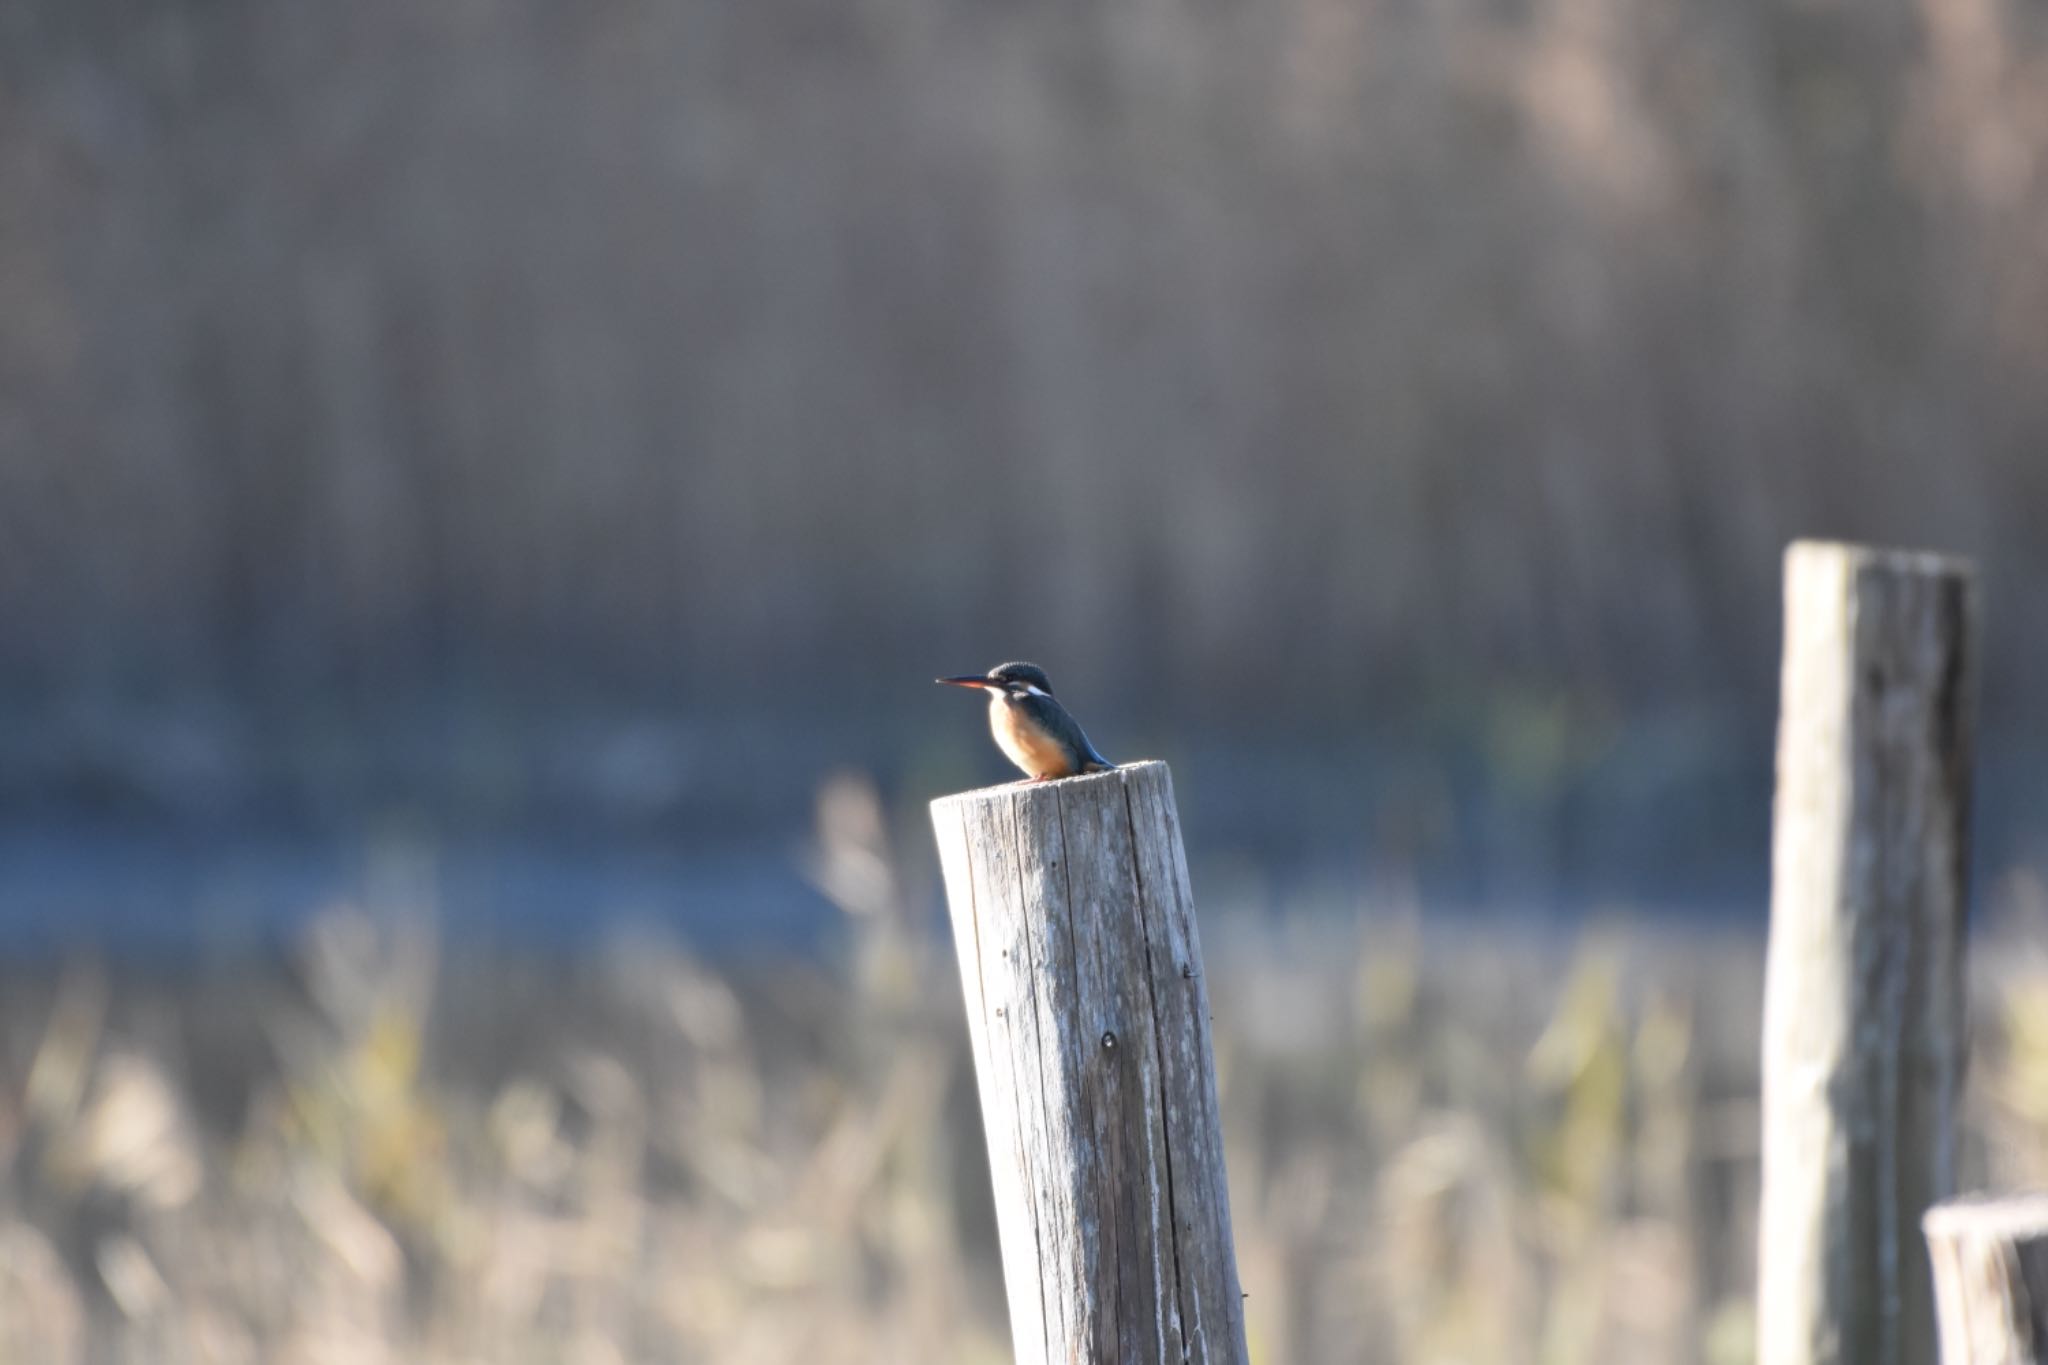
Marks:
<point>1028,747</point>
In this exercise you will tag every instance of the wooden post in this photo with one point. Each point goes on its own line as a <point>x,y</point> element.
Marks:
<point>1863,1002</point>
<point>1090,1024</point>
<point>1990,1257</point>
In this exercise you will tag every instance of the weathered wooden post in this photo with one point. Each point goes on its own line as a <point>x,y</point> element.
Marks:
<point>1990,1255</point>
<point>1090,1024</point>
<point>1863,1003</point>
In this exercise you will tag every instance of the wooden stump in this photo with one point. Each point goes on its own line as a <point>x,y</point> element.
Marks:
<point>1990,1257</point>
<point>1863,1008</point>
<point>1090,1024</point>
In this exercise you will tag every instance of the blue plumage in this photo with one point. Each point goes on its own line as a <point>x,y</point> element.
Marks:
<point>1031,726</point>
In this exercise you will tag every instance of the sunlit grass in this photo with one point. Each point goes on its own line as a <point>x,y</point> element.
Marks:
<point>1444,1146</point>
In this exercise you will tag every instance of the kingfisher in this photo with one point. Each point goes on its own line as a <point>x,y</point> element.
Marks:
<point>1031,726</point>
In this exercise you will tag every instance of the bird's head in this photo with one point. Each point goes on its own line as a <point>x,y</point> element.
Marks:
<point>1017,680</point>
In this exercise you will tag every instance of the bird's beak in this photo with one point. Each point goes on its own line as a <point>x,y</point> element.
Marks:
<point>971,680</point>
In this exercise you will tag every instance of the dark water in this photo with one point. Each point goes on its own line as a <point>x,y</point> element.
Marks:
<point>161,893</point>
<point>170,896</point>
<point>1676,840</point>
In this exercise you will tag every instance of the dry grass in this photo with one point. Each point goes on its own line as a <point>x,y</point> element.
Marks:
<point>1444,1147</point>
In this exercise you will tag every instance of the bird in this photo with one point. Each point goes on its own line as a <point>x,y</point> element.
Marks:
<point>1030,725</point>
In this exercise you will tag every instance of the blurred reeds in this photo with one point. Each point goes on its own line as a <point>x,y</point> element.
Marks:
<point>1464,1145</point>
<point>680,346</point>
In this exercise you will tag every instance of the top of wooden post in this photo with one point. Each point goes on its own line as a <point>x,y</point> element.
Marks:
<point>2020,1215</point>
<point>1811,554</point>
<point>1117,776</point>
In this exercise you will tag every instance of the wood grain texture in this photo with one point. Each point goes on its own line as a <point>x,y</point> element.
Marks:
<point>1863,1010</point>
<point>1089,1017</point>
<point>1990,1256</point>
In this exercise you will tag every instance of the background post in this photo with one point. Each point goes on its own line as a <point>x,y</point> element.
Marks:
<point>1990,1257</point>
<point>1090,1023</point>
<point>1863,1009</point>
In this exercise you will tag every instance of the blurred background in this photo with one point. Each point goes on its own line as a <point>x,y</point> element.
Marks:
<point>485,485</point>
